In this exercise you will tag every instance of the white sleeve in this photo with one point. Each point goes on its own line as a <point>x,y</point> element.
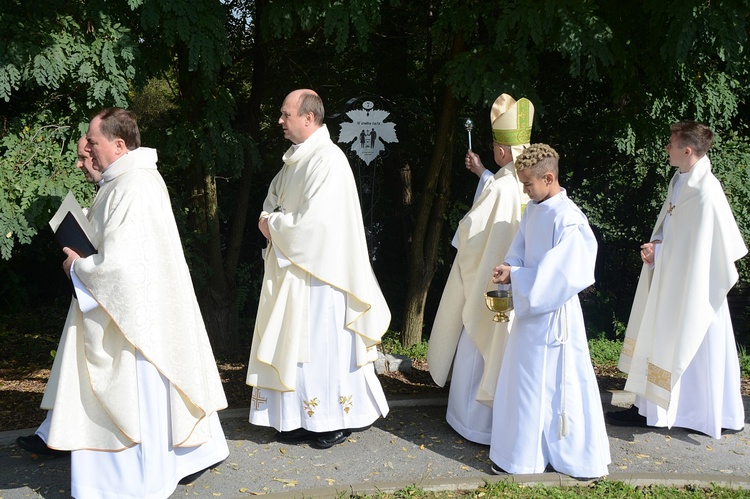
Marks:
<point>283,261</point>
<point>657,247</point>
<point>486,176</point>
<point>483,180</point>
<point>86,301</point>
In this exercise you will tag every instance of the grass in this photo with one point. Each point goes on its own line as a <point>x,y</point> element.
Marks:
<point>32,337</point>
<point>391,343</point>
<point>604,352</point>
<point>744,360</point>
<point>29,338</point>
<point>601,489</point>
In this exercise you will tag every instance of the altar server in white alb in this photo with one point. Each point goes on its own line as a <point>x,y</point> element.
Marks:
<point>321,312</point>
<point>547,407</point>
<point>679,350</point>
<point>463,329</point>
<point>134,389</point>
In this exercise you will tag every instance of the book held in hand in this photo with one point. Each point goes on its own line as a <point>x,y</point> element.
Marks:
<point>71,227</point>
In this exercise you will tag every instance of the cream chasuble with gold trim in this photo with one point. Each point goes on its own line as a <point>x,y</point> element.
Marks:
<point>676,300</point>
<point>315,221</point>
<point>484,236</point>
<point>142,284</point>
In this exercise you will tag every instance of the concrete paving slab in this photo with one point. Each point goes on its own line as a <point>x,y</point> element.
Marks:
<point>412,446</point>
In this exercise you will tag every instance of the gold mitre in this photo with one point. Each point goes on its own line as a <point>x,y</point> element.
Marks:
<point>511,122</point>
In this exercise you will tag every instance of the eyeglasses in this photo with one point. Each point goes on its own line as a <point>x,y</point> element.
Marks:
<point>494,145</point>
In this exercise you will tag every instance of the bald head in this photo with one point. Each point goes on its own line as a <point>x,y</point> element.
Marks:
<point>310,102</point>
<point>301,115</point>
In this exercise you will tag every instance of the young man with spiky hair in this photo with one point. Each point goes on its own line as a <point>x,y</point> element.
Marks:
<point>547,409</point>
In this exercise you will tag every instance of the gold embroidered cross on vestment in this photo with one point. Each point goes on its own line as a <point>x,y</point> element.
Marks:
<point>671,207</point>
<point>257,400</point>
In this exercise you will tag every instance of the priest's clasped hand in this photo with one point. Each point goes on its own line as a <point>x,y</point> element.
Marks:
<point>263,227</point>
<point>71,256</point>
<point>501,274</point>
<point>648,251</point>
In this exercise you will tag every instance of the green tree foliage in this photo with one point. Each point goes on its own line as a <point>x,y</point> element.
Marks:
<point>55,64</point>
<point>62,52</point>
<point>608,80</point>
<point>32,175</point>
<point>198,143</point>
<point>207,78</point>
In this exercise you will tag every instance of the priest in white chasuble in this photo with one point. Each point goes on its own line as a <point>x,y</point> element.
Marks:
<point>321,312</point>
<point>36,443</point>
<point>547,410</point>
<point>679,350</point>
<point>463,328</point>
<point>134,389</point>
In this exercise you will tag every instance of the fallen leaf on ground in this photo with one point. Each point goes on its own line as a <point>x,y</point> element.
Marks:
<point>286,481</point>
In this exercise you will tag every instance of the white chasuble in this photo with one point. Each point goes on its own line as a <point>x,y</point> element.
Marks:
<point>317,235</point>
<point>147,307</point>
<point>677,300</point>
<point>708,396</point>
<point>484,235</point>
<point>331,391</point>
<point>547,406</point>
<point>153,468</point>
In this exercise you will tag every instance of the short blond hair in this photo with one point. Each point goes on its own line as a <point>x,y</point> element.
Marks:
<point>539,159</point>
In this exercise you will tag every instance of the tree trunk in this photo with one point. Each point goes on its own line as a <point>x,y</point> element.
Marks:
<point>406,206</point>
<point>217,296</point>
<point>425,241</point>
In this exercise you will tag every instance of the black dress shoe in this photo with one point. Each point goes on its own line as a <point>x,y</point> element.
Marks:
<point>730,431</point>
<point>330,438</point>
<point>627,417</point>
<point>298,436</point>
<point>35,445</point>
<point>194,476</point>
<point>498,470</point>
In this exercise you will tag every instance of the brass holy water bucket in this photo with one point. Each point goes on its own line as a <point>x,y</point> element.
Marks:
<point>499,301</point>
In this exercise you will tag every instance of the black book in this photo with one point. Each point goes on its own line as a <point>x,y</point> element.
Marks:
<point>71,227</point>
<point>69,234</point>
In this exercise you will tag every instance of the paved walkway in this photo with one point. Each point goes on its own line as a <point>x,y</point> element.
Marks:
<point>412,446</point>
